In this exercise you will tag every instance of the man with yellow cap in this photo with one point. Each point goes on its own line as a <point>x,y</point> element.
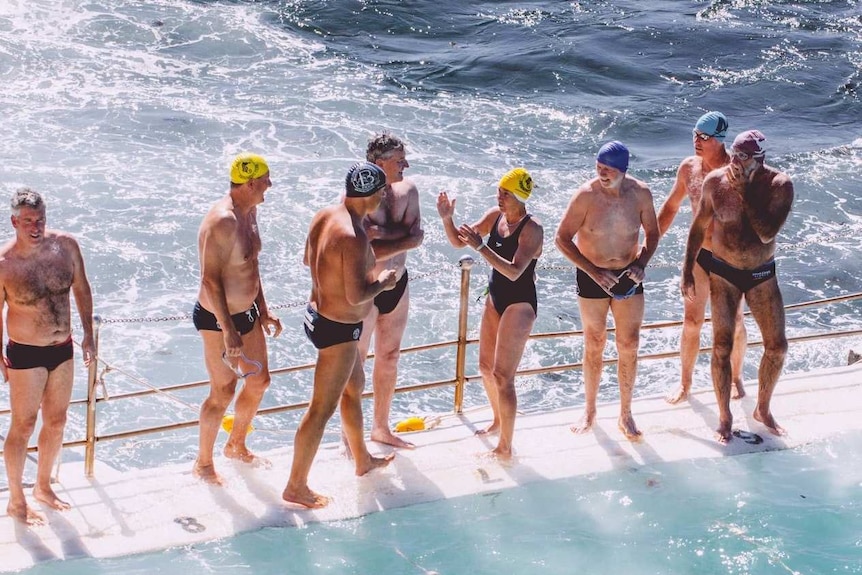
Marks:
<point>231,313</point>
<point>513,247</point>
<point>600,234</point>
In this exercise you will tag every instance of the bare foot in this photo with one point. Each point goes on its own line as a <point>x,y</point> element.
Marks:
<point>493,428</point>
<point>373,463</point>
<point>769,422</point>
<point>242,454</point>
<point>585,423</point>
<point>305,497</point>
<point>25,514</point>
<point>681,394</point>
<point>207,474</point>
<point>49,498</point>
<point>389,438</point>
<point>502,455</point>
<point>626,424</point>
<point>724,433</point>
<point>738,390</point>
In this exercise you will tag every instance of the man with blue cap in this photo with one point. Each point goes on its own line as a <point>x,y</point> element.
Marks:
<point>338,255</point>
<point>745,203</point>
<point>600,234</point>
<point>709,154</point>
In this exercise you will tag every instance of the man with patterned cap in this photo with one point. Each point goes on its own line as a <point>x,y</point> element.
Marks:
<point>745,203</point>
<point>343,288</point>
<point>709,153</point>
<point>231,313</point>
<point>513,247</point>
<point>600,234</point>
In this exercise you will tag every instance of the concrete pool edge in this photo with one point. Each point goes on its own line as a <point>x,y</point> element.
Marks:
<point>121,513</point>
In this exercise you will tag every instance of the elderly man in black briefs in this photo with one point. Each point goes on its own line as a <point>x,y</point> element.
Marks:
<point>746,203</point>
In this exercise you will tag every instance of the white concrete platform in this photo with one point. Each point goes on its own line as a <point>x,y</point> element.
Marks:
<point>123,513</point>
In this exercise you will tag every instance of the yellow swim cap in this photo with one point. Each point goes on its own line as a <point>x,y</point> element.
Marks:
<point>519,182</point>
<point>247,166</point>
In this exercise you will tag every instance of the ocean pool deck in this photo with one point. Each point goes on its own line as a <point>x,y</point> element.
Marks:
<point>121,513</point>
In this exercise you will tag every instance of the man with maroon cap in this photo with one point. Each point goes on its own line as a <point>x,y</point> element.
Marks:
<point>747,203</point>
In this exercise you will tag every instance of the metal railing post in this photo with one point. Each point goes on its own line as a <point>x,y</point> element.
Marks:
<point>466,264</point>
<point>90,448</point>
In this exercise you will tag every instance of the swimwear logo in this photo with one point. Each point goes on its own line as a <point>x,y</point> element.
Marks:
<point>356,333</point>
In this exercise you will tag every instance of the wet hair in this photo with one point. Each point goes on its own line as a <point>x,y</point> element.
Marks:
<point>382,145</point>
<point>26,197</point>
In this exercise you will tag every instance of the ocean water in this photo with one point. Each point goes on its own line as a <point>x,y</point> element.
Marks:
<point>794,512</point>
<point>126,114</point>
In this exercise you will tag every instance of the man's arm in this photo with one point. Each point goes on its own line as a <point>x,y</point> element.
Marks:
<point>83,301</point>
<point>389,241</point>
<point>218,241</point>
<point>768,211</point>
<point>2,307</point>
<point>698,231</point>
<point>572,221</point>
<point>354,266</point>
<point>671,205</point>
<point>651,236</point>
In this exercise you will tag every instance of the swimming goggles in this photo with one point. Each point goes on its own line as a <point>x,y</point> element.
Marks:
<point>258,366</point>
<point>632,290</point>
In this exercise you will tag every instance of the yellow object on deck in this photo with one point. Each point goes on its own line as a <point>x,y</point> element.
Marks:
<point>410,424</point>
<point>227,424</point>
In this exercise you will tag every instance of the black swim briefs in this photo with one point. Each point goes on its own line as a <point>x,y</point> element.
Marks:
<point>23,356</point>
<point>589,289</point>
<point>242,321</point>
<point>386,301</point>
<point>324,332</point>
<point>743,280</point>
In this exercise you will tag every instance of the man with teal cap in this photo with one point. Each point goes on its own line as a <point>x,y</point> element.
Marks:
<point>231,313</point>
<point>709,154</point>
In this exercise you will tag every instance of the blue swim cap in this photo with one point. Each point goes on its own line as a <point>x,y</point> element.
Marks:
<point>712,124</point>
<point>615,155</point>
<point>364,179</point>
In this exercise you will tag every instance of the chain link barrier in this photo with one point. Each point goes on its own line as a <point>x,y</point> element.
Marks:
<point>841,234</point>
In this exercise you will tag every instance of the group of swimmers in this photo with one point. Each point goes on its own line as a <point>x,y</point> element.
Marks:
<point>356,252</point>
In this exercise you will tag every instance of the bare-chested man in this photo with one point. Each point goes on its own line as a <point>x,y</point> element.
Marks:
<point>513,247</point>
<point>709,153</point>
<point>746,203</point>
<point>393,229</point>
<point>600,234</point>
<point>38,268</point>
<point>343,287</point>
<point>231,313</point>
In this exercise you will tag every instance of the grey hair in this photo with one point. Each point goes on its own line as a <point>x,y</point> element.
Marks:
<point>26,197</point>
<point>382,145</point>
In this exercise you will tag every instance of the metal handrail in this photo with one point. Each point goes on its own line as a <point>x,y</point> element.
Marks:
<point>461,378</point>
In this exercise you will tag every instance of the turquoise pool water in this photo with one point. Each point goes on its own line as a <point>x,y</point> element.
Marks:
<point>797,512</point>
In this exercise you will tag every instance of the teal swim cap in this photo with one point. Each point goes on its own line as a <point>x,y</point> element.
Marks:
<point>712,124</point>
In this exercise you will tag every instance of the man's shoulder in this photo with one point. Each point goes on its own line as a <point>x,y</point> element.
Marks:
<point>405,187</point>
<point>635,185</point>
